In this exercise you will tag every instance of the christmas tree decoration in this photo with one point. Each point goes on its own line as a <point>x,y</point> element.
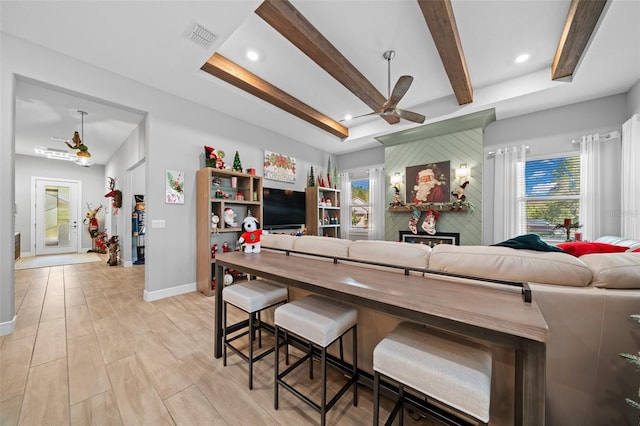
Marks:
<point>311,180</point>
<point>237,166</point>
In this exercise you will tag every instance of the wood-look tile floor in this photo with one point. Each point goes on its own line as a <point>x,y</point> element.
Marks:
<point>88,350</point>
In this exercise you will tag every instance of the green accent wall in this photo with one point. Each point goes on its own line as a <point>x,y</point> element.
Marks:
<point>459,147</point>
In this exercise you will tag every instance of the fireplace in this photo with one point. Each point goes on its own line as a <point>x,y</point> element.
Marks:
<point>428,239</point>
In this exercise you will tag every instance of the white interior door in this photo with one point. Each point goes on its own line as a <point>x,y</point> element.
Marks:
<point>56,216</point>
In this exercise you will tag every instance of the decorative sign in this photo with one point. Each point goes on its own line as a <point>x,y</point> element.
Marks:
<point>279,167</point>
<point>174,181</point>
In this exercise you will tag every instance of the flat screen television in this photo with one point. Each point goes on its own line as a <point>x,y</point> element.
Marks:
<point>282,208</point>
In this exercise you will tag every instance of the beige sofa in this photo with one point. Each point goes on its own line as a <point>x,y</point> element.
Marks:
<point>586,302</point>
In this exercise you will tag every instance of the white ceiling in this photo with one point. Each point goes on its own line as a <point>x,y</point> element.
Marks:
<point>146,41</point>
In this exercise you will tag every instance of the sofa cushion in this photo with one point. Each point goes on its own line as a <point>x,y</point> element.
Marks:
<point>511,264</point>
<point>279,241</point>
<point>322,245</point>
<point>580,248</point>
<point>614,270</point>
<point>394,253</point>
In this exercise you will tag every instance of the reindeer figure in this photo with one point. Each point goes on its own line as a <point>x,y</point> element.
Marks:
<point>116,194</point>
<point>91,220</point>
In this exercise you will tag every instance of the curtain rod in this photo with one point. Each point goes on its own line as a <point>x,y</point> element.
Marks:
<point>605,137</point>
<point>492,154</point>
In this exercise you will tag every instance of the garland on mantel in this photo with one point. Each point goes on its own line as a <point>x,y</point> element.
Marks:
<point>441,207</point>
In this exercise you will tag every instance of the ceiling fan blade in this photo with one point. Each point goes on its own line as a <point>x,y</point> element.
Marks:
<point>378,112</point>
<point>399,90</point>
<point>411,116</point>
<point>59,139</point>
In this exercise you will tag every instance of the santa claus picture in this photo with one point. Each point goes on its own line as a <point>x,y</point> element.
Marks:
<point>430,183</point>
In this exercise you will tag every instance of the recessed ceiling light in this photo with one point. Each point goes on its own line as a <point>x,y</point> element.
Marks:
<point>522,58</point>
<point>348,117</point>
<point>252,55</point>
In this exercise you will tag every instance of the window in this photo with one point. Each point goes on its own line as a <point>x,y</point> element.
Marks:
<point>552,193</point>
<point>359,205</point>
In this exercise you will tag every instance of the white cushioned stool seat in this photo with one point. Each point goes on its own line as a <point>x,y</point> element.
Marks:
<point>315,318</point>
<point>251,297</point>
<point>318,321</point>
<point>254,295</point>
<point>454,373</point>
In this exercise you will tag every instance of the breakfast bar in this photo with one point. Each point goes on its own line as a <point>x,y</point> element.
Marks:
<point>449,304</point>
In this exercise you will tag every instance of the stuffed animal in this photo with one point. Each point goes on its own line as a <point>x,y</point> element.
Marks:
<point>251,235</point>
<point>460,197</point>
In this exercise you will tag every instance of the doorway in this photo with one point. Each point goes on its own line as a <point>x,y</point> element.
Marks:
<point>55,209</point>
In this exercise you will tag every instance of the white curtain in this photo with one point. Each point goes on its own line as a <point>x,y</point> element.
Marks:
<point>377,204</point>
<point>630,179</point>
<point>590,188</point>
<point>509,219</point>
<point>345,199</point>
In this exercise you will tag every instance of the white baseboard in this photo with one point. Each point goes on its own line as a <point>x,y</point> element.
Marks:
<point>151,296</point>
<point>8,327</point>
<point>127,264</point>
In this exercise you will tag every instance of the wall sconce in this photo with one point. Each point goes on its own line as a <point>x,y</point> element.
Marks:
<point>463,173</point>
<point>396,180</point>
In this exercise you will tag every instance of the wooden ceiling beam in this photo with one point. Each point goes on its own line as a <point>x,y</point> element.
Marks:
<point>293,26</point>
<point>226,70</point>
<point>438,14</point>
<point>578,28</point>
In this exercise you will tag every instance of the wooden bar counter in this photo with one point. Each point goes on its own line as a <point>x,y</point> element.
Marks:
<point>479,310</point>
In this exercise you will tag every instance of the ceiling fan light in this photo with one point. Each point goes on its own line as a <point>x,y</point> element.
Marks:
<point>83,160</point>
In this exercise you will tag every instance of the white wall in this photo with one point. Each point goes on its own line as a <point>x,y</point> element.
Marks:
<point>550,132</point>
<point>129,156</point>
<point>633,100</point>
<point>176,132</point>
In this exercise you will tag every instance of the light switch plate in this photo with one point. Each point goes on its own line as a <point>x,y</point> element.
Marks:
<point>158,223</point>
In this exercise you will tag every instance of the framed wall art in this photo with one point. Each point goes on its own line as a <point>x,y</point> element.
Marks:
<point>174,183</point>
<point>279,167</point>
<point>428,183</point>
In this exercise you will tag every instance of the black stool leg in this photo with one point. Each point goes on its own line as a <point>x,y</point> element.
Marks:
<point>376,398</point>
<point>224,335</point>
<point>323,402</point>
<point>354,362</point>
<point>251,331</point>
<point>277,361</point>
<point>401,396</point>
<point>310,360</point>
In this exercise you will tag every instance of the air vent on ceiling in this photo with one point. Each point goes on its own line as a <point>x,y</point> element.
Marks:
<point>201,36</point>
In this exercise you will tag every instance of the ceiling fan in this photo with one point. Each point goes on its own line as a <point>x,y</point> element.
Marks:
<point>399,90</point>
<point>83,156</point>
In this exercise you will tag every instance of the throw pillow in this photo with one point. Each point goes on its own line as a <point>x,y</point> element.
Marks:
<point>579,248</point>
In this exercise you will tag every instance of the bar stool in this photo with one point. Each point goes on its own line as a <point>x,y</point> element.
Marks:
<point>320,322</point>
<point>251,297</point>
<point>454,373</point>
